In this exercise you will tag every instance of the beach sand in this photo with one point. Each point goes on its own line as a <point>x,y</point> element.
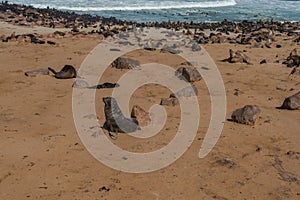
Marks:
<point>42,156</point>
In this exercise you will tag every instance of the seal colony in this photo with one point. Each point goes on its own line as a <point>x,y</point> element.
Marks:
<point>260,33</point>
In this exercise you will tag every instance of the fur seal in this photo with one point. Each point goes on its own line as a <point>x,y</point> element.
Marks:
<point>68,71</point>
<point>116,121</point>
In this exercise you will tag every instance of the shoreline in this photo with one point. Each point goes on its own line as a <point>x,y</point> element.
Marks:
<point>256,33</point>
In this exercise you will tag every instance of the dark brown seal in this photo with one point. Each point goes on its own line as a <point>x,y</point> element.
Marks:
<point>68,71</point>
<point>116,121</point>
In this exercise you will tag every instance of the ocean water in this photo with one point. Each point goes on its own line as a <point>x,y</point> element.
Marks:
<point>179,10</point>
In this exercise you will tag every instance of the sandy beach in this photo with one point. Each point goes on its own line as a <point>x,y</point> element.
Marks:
<point>42,156</point>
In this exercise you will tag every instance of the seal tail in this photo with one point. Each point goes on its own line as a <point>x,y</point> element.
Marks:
<point>52,70</point>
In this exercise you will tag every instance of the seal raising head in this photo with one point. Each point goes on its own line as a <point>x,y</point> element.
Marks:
<point>115,120</point>
<point>68,71</point>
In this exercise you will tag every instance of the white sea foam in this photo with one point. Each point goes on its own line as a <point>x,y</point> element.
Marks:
<point>147,5</point>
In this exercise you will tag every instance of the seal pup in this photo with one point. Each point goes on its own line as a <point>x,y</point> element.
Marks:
<point>116,121</point>
<point>68,71</point>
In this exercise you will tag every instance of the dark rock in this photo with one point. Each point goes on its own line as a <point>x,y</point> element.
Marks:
<point>264,61</point>
<point>51,43</point>
<point>169,101</point>
<point>246,115</point>
<point>37,41</point>
<point>291,102</point>
<point>126,63</point>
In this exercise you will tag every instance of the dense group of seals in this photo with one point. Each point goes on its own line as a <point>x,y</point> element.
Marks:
<point>116,122</point>
<point>68,71</point>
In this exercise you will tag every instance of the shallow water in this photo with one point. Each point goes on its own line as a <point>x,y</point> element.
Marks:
<point>179,10</point>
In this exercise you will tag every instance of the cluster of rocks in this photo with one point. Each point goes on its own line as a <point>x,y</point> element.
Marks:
<point>249,114</point>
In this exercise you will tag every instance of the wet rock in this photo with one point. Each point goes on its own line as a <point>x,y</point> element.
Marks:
<point>169,101</point>
<point>126,63</point>
<point>247,115</point>
<point>142,117</point>
<point>185,92</point>
<point>291,102</point>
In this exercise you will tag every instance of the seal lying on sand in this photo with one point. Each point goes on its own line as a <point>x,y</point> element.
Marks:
<point>68,71</point>
<point>116,121</point>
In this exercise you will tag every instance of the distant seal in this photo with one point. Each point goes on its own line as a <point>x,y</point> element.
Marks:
<point>68,71</point>
<point>116,121</point>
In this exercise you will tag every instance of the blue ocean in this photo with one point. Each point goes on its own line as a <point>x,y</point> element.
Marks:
<point>179,10</point>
